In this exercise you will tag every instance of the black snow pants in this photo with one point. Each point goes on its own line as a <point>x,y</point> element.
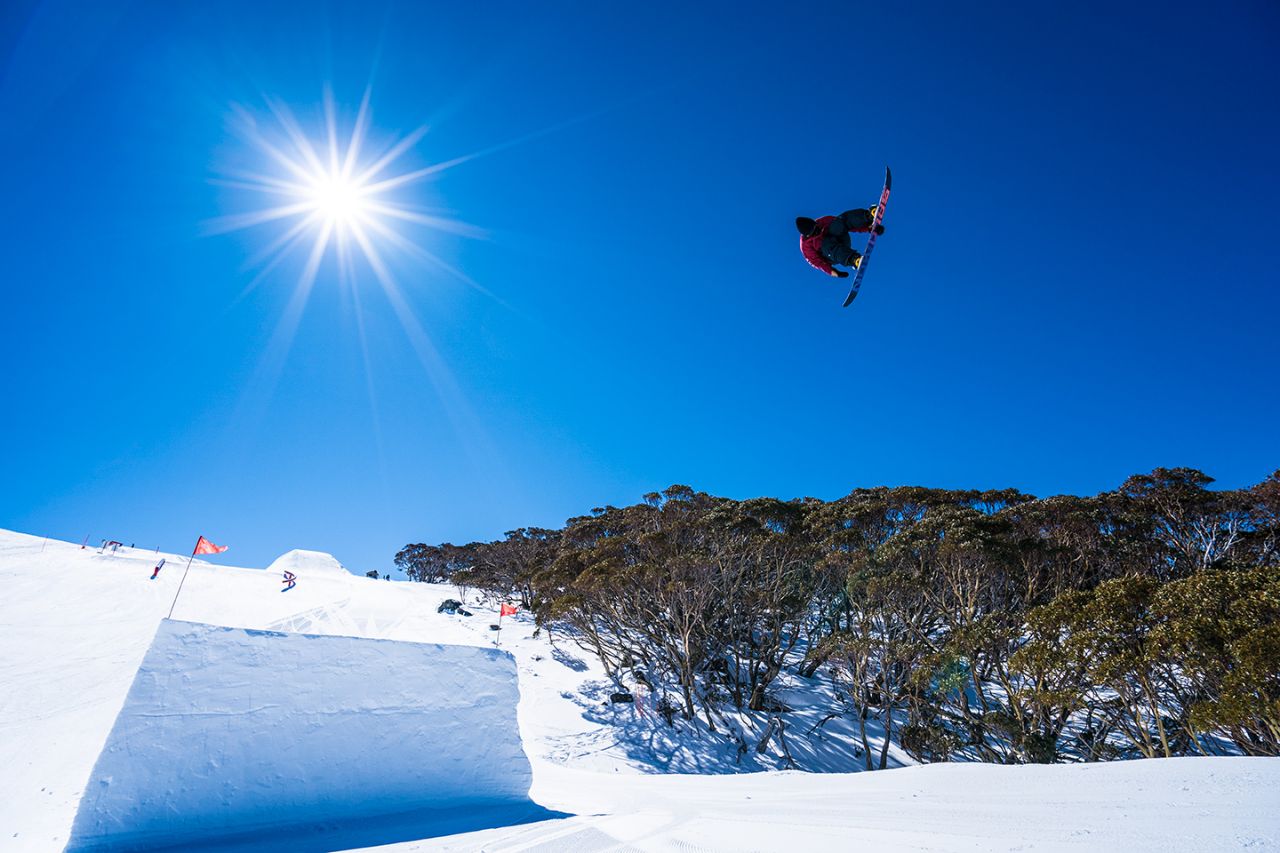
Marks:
<point>836,246</point>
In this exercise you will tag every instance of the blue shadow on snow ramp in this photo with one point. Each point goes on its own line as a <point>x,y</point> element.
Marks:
<point>241,740</point>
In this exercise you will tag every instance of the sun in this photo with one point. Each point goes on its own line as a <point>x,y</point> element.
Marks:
<point>331,188</point>
<point>339,199</point>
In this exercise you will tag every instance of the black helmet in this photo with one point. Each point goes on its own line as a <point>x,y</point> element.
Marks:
<point>805,225</point>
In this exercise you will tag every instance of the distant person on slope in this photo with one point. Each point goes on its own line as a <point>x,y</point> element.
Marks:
<point>159,566</point>
<point>825,242</point>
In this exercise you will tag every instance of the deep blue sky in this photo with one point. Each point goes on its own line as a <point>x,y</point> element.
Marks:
<point>1077,282</point>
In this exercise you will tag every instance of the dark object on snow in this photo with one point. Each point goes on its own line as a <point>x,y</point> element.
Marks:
<point>616,698</point>
<point>717,670</point>
<point>463,611</point>
<point>495,627</point>
<point>773,705</point>
<point>449,605</point>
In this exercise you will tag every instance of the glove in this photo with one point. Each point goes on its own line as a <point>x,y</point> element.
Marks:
<point>839,273</point>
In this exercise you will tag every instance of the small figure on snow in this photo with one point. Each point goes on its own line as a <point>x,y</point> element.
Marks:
<point>290,581</point>
<point>159,566</point>
<point>825,242</point>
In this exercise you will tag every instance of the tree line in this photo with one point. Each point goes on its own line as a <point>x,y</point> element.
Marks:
<point>961,624</point>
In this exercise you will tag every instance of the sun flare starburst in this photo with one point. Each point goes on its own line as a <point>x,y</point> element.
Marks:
<point>336,198</point>
<point>335,193</point>
<point>333,202</point>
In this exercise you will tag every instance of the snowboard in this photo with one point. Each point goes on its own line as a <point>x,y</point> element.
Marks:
<point>871,241</point>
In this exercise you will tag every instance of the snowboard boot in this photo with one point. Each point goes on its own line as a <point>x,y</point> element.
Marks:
<point>872,211</point>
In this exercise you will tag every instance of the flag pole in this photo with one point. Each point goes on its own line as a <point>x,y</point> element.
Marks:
<point>184,579</point>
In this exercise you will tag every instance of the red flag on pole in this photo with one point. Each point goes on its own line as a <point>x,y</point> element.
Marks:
<point>204,546</point>
<point>508,610</point>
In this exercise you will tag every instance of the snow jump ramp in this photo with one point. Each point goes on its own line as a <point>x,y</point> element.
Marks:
<point>235,739</point>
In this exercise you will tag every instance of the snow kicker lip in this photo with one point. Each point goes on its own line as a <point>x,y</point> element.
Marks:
<point>229,737</point>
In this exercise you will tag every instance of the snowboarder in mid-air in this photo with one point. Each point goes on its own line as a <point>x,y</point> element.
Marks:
<point>825,242</point>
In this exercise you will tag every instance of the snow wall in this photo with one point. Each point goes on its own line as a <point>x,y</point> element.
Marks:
<point>236,739</point>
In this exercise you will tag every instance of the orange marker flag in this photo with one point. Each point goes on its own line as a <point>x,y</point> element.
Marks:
<point>204,546</point>
<point>508,610</point>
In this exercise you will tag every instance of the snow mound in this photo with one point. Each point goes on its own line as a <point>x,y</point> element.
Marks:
<point>308,564</point>
<point>314,742</point>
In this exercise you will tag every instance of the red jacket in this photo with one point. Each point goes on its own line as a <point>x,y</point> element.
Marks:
<point>811,246</point>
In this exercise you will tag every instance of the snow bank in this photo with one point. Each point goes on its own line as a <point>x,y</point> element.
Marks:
<point>308,564</point>
<point>230,732</point>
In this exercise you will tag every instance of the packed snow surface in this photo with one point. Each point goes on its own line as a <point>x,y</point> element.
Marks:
<point>227,731</point>
<point>1179,804</point>
<point>77,626</point>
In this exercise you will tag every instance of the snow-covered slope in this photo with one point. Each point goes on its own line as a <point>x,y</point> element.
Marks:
<point>75,627</point>
<point>1205,805</point>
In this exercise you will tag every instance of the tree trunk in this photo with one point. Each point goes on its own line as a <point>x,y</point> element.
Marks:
<point>888,735</point>
<point>764,741</point>
<point>862,732</point>
<point>689,710</point>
